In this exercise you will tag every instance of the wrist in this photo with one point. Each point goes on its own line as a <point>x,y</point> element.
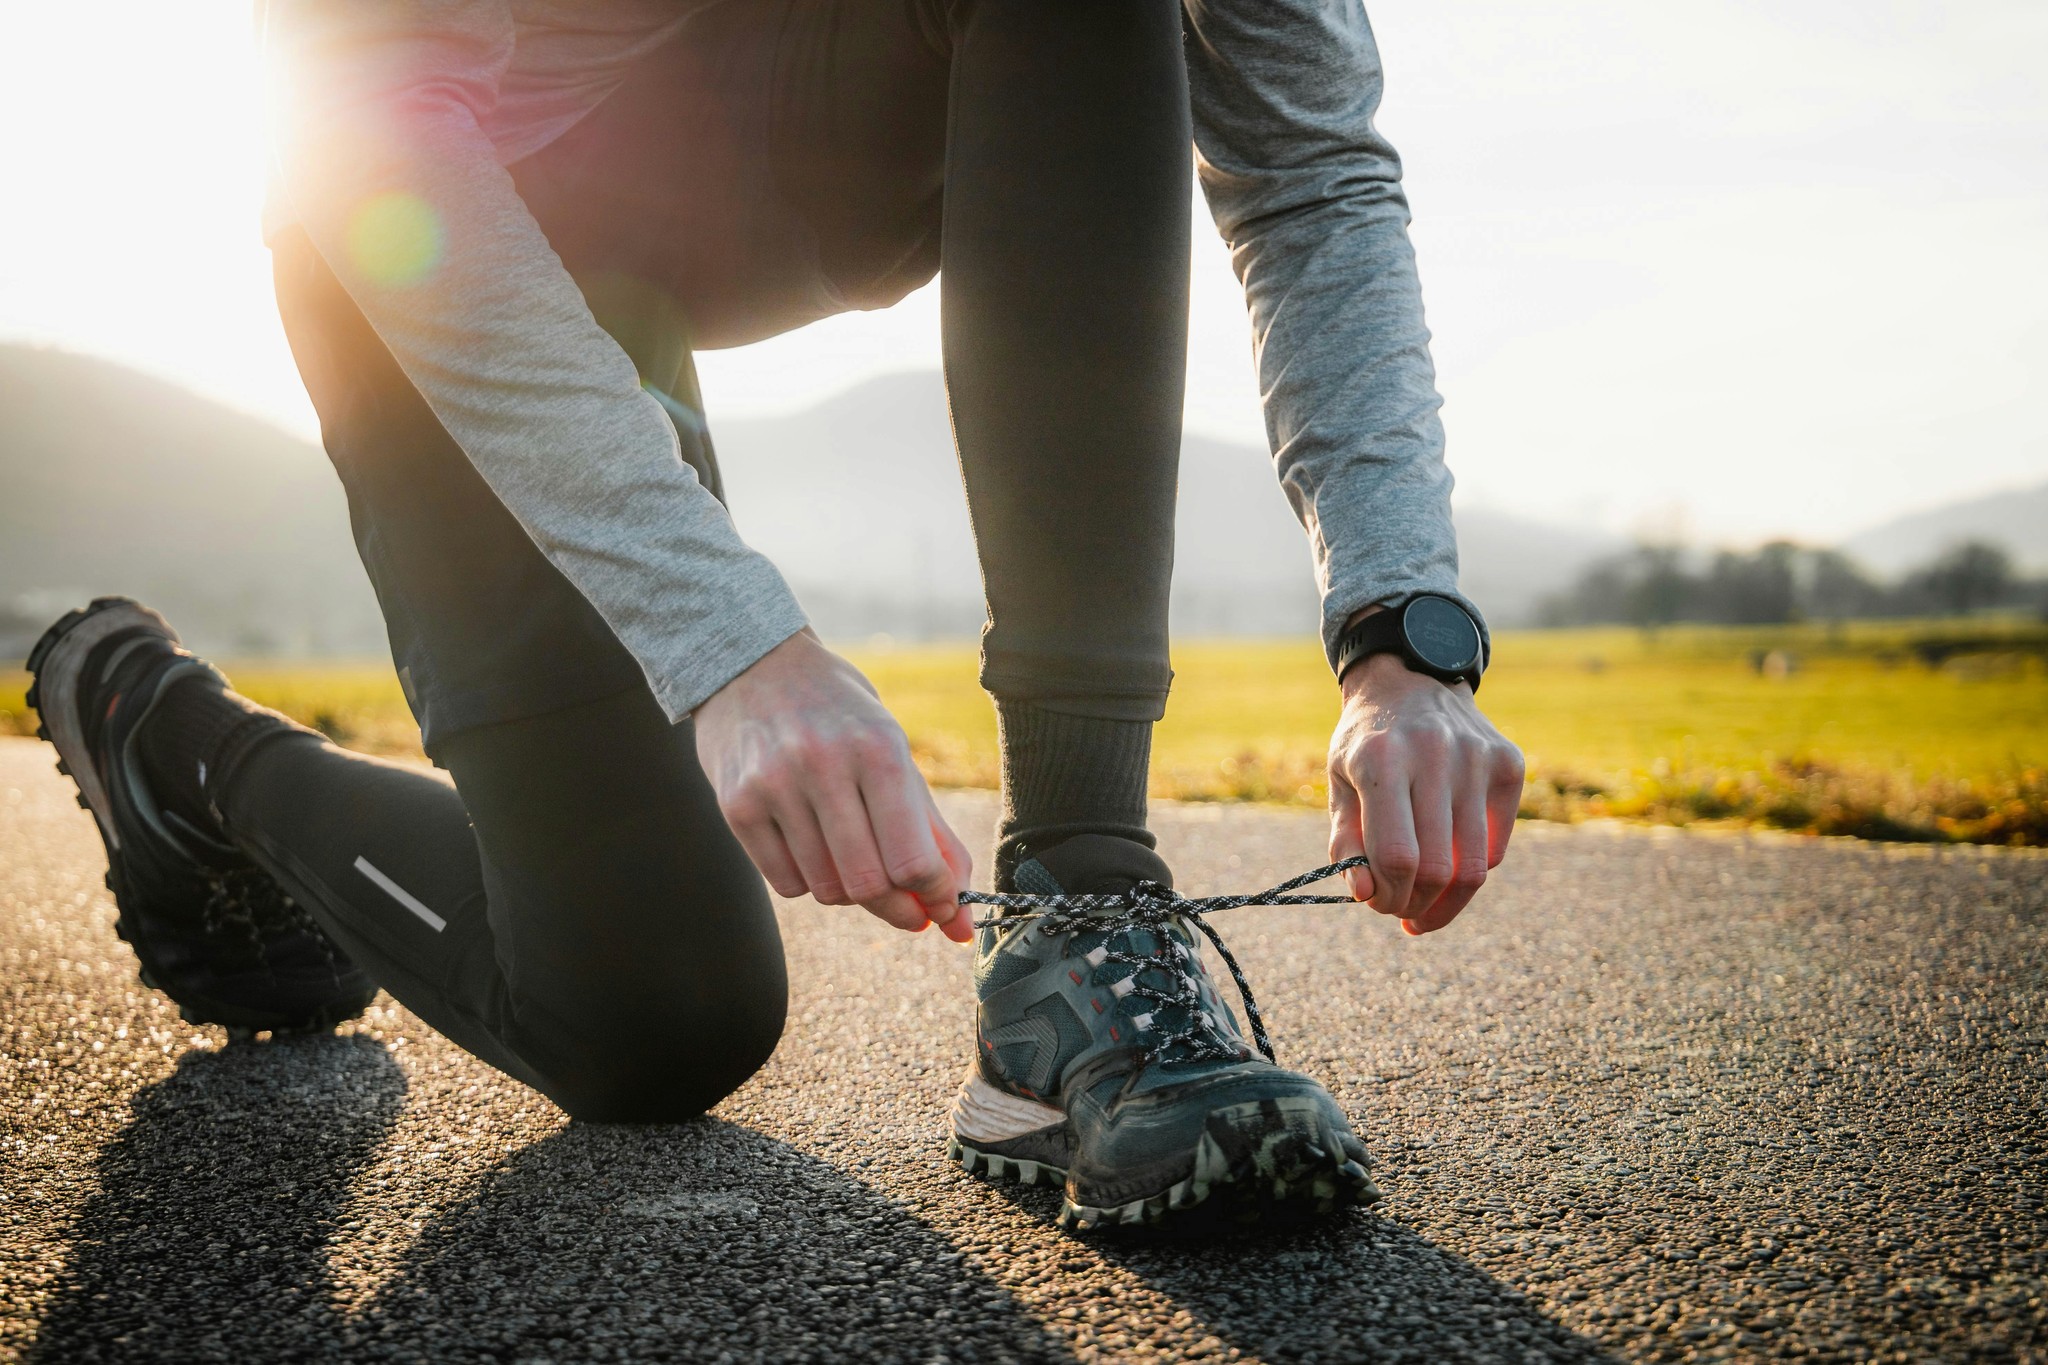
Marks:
<point>788,657</point>
<point>1381,675</point>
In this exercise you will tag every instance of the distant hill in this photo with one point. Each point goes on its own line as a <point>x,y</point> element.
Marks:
<point>858,499</point>
<point>112,481</point>
<point>1509,564</point>
<point>2016,519</point>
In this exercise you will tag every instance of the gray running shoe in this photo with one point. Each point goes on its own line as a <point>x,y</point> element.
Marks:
<point>1105,1060</point>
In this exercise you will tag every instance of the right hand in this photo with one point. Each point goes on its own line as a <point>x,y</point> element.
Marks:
<point>816,780</point>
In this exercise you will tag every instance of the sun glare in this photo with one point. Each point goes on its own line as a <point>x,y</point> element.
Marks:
<point>1727,285</point>
<point>395,239</point>
<point>135,132</point>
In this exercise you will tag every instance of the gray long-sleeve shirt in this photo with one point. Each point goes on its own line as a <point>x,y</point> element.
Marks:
<point>394,120</point>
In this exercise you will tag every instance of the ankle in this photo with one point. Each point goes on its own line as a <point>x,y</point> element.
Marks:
<point>196,731</point>
<point>1065,775</point>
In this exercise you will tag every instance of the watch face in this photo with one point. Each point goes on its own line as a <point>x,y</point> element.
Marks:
<point>1441,633</point>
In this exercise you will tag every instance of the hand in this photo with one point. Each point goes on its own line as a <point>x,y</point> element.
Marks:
<point>1424,786</point>
<point>815,778</point>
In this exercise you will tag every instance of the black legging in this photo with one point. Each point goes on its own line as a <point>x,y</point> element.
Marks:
<point>573,909</point>
<point>602,935</point>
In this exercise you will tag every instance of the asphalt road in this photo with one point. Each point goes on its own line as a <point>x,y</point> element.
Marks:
<point>1658,1096</point>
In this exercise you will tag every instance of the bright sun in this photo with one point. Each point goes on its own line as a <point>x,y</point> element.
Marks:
<point>135,132</point>
<point>135,128</point>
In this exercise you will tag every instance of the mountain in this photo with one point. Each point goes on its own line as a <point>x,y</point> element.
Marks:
<point>114,482</point>
<point>2016,519</point>
<point>858,499</point>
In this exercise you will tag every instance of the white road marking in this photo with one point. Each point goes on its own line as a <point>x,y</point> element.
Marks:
<point>401,895</point>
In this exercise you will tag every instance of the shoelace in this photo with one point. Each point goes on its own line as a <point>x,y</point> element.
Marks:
<point>245,906</point>
<point>1151,906</point>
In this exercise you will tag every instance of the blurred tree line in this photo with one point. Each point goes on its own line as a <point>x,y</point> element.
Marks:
<point>1781,582</point>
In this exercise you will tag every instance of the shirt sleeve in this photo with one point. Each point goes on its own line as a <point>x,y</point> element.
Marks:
<point>382,157</point>
<point>1308,196</point>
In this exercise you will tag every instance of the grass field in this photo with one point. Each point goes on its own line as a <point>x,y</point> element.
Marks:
<point>1845,730</point>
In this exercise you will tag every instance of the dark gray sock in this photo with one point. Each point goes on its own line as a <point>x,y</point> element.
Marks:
<point>1065,775</point>
<point>184,738</point>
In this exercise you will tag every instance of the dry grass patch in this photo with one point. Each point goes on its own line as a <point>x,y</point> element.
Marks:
<point>1880,731</point>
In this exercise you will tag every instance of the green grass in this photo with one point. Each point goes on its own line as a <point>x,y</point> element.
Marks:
<point>1859,737</point>
<point>359,704</point>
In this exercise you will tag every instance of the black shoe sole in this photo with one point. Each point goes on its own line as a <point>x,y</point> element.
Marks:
<point>1272,1161</point>
<point>91,792</point>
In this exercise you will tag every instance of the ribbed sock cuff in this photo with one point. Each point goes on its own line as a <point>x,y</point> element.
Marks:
<point>1065,775</point>
<point>183,739</point>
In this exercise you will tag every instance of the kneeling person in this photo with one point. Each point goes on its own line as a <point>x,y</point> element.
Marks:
<point>497,239</point>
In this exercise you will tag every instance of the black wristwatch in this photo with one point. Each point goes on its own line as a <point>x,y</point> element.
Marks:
<point>1434,634</point>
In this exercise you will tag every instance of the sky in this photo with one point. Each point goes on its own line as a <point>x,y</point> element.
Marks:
<point>1728,269</point>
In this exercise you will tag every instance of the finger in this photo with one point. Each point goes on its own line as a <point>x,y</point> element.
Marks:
<point>1469,849</point>
<point>764,844</point>
<point>900,815</point>
<point>1435,857</point>
<point>957,856</point>
<point>961,927</point>
<point>799,832</point>
<point>843,817</point>
<point>899,910</point>
<point>1389,837</point>
<point>1347,833</point>
<point>1503,802</point>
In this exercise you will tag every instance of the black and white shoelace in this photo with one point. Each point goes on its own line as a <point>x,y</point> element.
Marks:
<point>1151,906</point>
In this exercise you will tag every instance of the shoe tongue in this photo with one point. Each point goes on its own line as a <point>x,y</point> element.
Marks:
<point>1102,864</point>
<point>1091,864</point>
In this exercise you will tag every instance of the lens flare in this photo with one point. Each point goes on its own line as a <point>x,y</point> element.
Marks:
<point>395,239</point>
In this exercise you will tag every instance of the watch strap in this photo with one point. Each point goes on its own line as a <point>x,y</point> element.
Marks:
<point>1379,633</point>
<point>1384,632</point>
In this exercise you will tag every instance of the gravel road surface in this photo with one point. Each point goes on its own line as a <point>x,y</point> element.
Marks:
<point>1658,1096</point>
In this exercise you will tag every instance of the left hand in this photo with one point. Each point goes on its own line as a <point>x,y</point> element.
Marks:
<point>1424,786</point>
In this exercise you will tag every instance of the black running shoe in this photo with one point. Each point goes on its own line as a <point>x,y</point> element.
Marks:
<point>214,931</point>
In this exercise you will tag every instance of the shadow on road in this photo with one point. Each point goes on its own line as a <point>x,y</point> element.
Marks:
<point>229,1226</point>
<point>238,1218</point>
<point>208,1236</point>
<point>687,1242</point>
<point>1358,1288</point>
